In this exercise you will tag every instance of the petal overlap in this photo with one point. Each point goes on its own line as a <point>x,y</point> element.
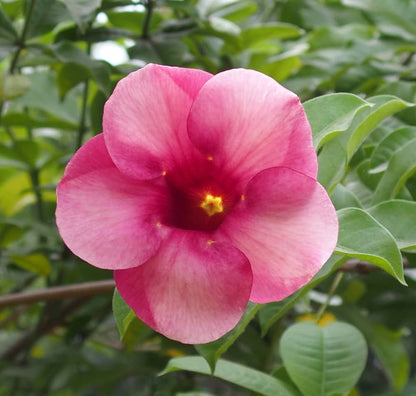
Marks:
<point>105,217</point>
<point>287,227</point>
<point>192,290</point>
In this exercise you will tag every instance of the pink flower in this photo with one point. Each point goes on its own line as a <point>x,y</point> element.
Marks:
<point>201,194</point>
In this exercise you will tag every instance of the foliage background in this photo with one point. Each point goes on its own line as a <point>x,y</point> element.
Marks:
<point>59,61</point>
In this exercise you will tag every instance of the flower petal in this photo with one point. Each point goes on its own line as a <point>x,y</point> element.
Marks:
<point>287,227</point>
<point>247,122</point>
<point>105,217</point>
<point>144,120</point>
<point>192,291</point>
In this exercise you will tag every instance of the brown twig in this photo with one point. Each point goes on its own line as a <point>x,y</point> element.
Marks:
<point>58,293</point>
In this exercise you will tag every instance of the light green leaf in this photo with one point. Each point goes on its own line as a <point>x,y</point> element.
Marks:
<point>323,361</point>
<point>212,351</point>
<point>235,373</point>
<point>332,114</point>
<point>343,197</point>
<point>36,263</point>
<point>14,86</point>
<point>15,193</point>
<point>383,107</point>
<point>401,166</point>
<point>269,31</point>
<point>363,237</point>
<point>399,217</point>
<point>390,351</point>
<point>388,146</point>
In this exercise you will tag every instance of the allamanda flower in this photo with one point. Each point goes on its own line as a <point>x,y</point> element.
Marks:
<point>200,194</point>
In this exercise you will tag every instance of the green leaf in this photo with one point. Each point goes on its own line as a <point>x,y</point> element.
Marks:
<point>36,263</point>
<point>237,11</point>
<point>46,14</point>
<point>15,193</point>
<point>70,75</point>
<point>384,106</point>
<point>332,114</point>
<point>212,351</point>
<point>390,351</point>
<point>82,11</point>
<point>271,312</point>
<point>363,237</point>
<point>130,327</point>
<point>43,95</point>
<point>388,146</point>
<point>269,31</point>
<point>14,86</point>
<point>7,30</point>
<point>68,52</point>
<point>323,361</point>
<point>401,166</point>
<point>237,374</point>
<point>399,217</point>
<point>342,197</point>
<point>9,232</point>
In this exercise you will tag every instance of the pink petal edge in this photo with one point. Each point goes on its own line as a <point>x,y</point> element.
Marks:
<point>287,227</point>
<point>144,119</point>
<point>105,217</point>
<point>192,290</point>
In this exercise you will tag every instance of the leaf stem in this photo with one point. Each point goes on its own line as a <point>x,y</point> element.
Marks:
<point>338,277</point>
<point>146,24</point>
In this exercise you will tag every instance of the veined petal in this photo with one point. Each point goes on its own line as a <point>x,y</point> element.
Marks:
<point>192,290</point>
<point>287,227</point>
<point>144,120</point>
<point>248,122</point>
<point>105,217</point>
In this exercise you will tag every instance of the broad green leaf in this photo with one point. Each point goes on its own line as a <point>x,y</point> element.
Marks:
<point>70,75</point>
<point>388,146</point>
<point>235,373</point>
<point>82,11</point>
<point>394,18</point>
<point>130,327</point>
<point>281,68</point>
<point>36,263</point>
<point>342,197</point>
<point>331,114</point>
<point>212,351</point>
<point>271,312</point>
<point>390,351</point>
<point>384,106</point>
<point>223,28</point>
<point>14,86</point>
<point>15,193</point>
<point>7,30</point>
<point>43,95</point>
<point>46,14</point>
<point>401,166</point>
<point>69,53</point>
<point>332,162</point>
<point>363,237</point>
<point>9,232</point>
<point>132,21</point>
<point>269,31</point>
<point>237,11</point>
<point>399,217</point>
<point>323,360</point>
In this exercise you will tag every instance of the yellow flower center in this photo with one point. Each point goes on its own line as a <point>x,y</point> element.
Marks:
<point>212,205</point>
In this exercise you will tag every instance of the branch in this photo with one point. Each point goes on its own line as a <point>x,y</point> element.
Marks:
<point>77,290</point>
